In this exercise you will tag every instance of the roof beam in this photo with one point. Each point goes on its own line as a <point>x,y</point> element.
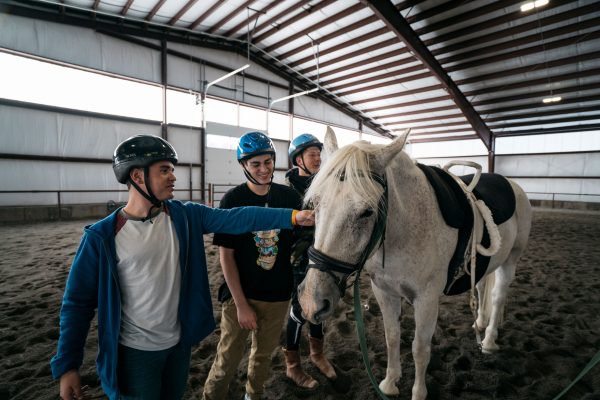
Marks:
<point>154,10</point>
<point>556,107</point>
<point>348,28</point>
<point>542,131</point>
<point>344,45</point>
<point>540,81</point>
<point>182,11</point>
<point>490,90</point>
<point>443,139</point>
<point>409,78</point>
<point>415,120</point>
<point>422,110</point>
<point>515,28</point>
<point>512,43</point>
<point>273,20</point>
<point>377,68</point>
<point>255,17</point>
<point>331,19</point>
<point>552,112</point>
<point>403,125</point>
<point>538,94</point>
<point>305,12</point>
<point>394,20</point>
<point>532,67</point>
<point>403,93</point>
<point>541,48</point>
<point>356,53</point>
<point>563,120</point>
<point>206,14</point>
<point>360,24</point>
<point>126,7</point>
<point>230,16</point>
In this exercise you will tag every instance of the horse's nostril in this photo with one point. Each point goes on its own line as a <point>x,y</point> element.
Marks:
<point>326,306</point>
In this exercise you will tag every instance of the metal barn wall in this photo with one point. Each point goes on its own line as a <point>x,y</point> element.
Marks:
<point>50,149</point>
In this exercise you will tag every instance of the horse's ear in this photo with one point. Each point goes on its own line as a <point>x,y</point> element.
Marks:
<point>331,145</point>
<point>387,153</point>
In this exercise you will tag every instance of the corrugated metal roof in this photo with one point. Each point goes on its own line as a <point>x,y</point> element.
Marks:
<point>448,69</point>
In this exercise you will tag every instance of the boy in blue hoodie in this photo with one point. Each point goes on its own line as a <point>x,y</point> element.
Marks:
<point>143,268</point>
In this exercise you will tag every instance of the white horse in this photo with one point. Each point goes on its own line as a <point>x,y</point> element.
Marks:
<point>349,195</point>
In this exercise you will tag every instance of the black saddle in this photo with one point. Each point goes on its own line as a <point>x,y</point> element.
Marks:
<point>497,194</point>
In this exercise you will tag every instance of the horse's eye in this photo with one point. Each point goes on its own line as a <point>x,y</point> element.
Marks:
<point>367,213</point>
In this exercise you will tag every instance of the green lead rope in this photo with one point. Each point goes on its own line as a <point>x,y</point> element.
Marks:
<point>360,329</point>
<point>587,368</point>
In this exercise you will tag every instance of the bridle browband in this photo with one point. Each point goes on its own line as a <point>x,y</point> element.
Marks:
<point>327,264</point>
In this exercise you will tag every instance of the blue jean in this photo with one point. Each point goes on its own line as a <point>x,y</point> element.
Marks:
<point>153,375</point>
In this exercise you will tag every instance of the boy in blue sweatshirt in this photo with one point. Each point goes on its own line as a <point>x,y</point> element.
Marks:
<point>143,268</point>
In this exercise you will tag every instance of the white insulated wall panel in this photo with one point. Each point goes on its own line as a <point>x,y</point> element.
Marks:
<point>48,133</point>
<point>580,164</point>
<point>315,109</point>
<point>80,46</point>
<point>187,144</point>
<point>587,190</point>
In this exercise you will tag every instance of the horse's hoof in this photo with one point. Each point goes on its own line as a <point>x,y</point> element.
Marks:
<point>478,327</point>
<point>490,349</point>
<point>389,389</point>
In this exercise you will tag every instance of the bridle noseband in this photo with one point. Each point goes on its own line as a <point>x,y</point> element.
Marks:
<point>327,264</point>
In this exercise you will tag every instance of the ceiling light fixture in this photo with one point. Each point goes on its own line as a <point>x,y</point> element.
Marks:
<point>554,99</point>
<point>533,4</point>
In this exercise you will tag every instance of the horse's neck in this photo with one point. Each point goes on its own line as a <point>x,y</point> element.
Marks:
<point>411,199</point>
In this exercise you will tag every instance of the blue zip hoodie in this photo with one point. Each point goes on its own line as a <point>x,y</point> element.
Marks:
<point>93,283</point>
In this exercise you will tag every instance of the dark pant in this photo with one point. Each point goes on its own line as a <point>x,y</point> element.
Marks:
<point>153,375</point>
<point>296,320</point>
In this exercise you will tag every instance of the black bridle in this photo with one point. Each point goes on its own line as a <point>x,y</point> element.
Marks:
<point>327,264</point>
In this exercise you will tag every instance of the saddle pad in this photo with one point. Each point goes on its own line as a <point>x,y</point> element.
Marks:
<point>495,191</point>
<point>452,201</point>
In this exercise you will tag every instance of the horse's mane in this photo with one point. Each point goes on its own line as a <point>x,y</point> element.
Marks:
<point>349,167</point>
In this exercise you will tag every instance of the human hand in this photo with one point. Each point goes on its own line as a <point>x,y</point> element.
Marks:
<point>70,385</point>
<point>246,317</point>
<point>305,218</point>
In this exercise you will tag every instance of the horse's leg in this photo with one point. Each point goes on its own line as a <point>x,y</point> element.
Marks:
<point>504,276</point>
<point>426,313</point>
<point>484,291</point>
<point>391,308</point>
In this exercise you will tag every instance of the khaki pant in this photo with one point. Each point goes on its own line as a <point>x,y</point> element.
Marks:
<point>270,317</point>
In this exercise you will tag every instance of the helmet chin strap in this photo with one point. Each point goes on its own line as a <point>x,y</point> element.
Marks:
<point>148,196</point>
<point>303,166</point>
<point>251,178</point>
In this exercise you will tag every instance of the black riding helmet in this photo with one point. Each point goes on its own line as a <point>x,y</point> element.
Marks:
<point>141,151</point>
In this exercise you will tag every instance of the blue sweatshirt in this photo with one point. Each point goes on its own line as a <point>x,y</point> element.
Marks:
<point>93,283</point>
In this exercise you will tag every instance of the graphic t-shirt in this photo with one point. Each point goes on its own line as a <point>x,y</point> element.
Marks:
<point>262,258</point>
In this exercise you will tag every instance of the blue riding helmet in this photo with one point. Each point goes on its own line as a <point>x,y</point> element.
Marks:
<point>301,143</point>
<point>254,144</point>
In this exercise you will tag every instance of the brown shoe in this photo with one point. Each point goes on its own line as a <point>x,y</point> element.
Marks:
<point>318,358</point>
<point>294,370</point>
